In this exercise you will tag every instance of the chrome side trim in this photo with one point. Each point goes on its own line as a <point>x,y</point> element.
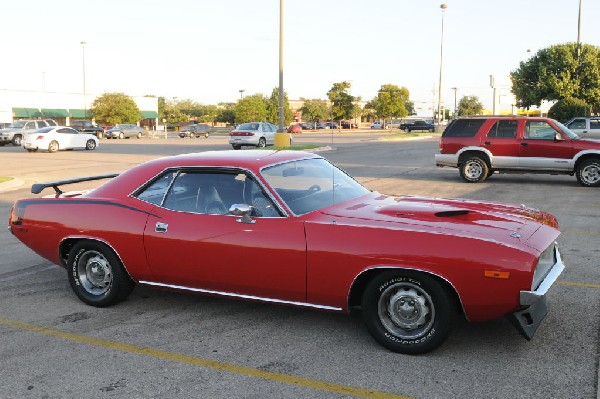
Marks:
<point>528,298</point>
<point>234,295</point>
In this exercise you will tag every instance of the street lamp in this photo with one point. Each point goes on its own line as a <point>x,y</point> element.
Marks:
<point>242,93</point>
<point>281,128</point>
<point>455,109</point>
<point>83,62</point>
<point>440,116</point>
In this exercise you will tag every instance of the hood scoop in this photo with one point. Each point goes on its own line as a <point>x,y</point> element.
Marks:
<point>422,210</point>
<point>449,214</point>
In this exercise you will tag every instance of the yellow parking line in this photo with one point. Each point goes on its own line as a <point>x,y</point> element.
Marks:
<point>572,283</point>
<point>197,361</point>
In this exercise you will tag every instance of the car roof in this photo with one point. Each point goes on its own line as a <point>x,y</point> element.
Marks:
<point>253,160</point>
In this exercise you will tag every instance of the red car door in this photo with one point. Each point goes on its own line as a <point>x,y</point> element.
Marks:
<point>501,142</point>
<point>540,150</point>
<point>216,252</point>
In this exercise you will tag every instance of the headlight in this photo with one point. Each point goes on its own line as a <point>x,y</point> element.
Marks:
<point>545,262</point>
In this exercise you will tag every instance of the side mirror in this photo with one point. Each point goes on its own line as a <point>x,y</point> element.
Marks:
<point>242,210</point>
<point>558,137</point>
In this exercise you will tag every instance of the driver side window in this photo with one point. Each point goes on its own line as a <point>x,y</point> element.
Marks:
<point>539,130</point>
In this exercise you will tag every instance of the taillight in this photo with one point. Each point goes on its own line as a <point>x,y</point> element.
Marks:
<point>241,134</point>
<point>39,138</point>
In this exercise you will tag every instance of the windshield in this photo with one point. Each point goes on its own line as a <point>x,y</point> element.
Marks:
<point>311,184</point>
<point>565,130</point>
<point>248,126</point>
<point>18,124</point>
<point>44,129</point>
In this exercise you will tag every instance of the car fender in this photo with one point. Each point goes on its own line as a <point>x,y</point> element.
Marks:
<point>489,155</point>
<point>583,153</point>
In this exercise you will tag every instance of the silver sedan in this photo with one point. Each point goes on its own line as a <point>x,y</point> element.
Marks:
<point>256,134</point>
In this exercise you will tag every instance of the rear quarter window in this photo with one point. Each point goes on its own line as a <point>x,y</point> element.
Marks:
<point>463,128</point>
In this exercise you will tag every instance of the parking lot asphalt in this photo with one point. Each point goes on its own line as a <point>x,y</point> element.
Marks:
<point>172,345</point>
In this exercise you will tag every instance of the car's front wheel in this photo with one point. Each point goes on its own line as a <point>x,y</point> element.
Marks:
<point>90,145</point>
<point>121,136</point>
<point>262,143</point>
<point>53,146</point>
<point>474,170</point>
<point>408,312</point>
<point>16,140</point>
<point>96,275</point>
<point>588,172</point>
<point>236,147</point>
<point>139,135</point>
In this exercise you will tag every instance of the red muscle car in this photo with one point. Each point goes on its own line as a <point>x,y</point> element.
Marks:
<point>290,228</point>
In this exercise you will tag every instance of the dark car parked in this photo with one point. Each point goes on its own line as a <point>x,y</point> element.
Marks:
<point>88,127</point>
<point>195,130</point>
<point>419,125</point>
<point>348,125</point>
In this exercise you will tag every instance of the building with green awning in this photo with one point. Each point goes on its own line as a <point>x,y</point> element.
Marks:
<point>26,112</point>
<point>54,113</point>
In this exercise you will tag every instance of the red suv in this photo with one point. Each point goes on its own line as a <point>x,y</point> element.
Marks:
<point>480,146</point>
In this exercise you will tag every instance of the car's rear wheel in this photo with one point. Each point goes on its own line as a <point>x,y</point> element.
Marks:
<point>588,172</point>
<point>139,135</point>
<point>408,312</point>
<point>121,136</point>
<point>100,135</point>
<point>17,139</point>
<point>206,135</point>
<point>96,275</point>
<point>53,146</point>
<point>90,145</point>
<point>262,143</point>
<point>474,170</point>
<point>236,147</point>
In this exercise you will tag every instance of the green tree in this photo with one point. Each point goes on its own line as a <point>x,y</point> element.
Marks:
<point>172,113</point>
<point>469,105</point>
<point>391,102</point>
<point>225,113</point>
<point>568,108</point>
<point>314,110</point>
<point>114,108</point>
<point>557,73</point>
<point>251,109</point>
<point>273,108</point>
<point>342,103</point>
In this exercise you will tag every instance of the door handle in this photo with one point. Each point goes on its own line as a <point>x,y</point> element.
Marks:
<point>487,143</point>
<point>524,144</point>
<point>161,227</point>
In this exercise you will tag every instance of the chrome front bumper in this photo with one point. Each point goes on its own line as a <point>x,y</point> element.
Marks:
<point>528,319</point>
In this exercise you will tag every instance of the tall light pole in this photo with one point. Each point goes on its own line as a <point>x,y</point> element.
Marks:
<point>83,62</point>
<point>242,93</point>
<point>281,127</point>
<point>440,116</point>
<point>579,32</point>
<point>455,109</point>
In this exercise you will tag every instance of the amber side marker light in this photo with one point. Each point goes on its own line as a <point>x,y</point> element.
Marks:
<point>496,274</point>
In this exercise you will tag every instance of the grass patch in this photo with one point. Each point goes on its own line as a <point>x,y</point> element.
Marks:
<point>5,178</point>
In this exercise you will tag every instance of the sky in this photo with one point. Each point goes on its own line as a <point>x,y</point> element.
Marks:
<point>208,51</point>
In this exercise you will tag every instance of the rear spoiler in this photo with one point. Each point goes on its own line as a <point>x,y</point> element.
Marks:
<point>37,188</point>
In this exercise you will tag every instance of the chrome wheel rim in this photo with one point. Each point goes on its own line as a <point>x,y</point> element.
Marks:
<point>94,272</point>
<point>591,174</point>
<point>473,170</point>
<point>53,147</point>
<point>406,310</point>
<point>91,145</point>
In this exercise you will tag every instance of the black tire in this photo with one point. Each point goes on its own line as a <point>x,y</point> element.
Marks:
<point>90,145</point>
<point>588,172</point>
<point>262,143</point>
<point>16,141</point>
<point>100,135</point>
<point>53,146</point>
<point>408,312</point>
<point>474,170</point>
<point>96,275</point>
<point>236,147</point>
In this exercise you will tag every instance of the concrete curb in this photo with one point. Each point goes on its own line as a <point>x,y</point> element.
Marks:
<point>11,185</point>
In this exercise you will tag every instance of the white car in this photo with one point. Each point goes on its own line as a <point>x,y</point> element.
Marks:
<point>256,134</point>
<point>54,138</point>
<point>376,125</point>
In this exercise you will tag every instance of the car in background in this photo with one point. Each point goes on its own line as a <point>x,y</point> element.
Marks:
<point>15,131</point>
<point>393,125</point>
<point>87,127</point>
<point>348,125</point>
<point>583,125</point>
<point>290,228</point>
<point>331,125</point>
<point>4,125</point>
<point>125,131</point>
<point>480,146</point>
<point>51,122</point>
<point>55,138</point>
<point>255,134</point>
<point>419,125</point>
<point>376,125</point>
<point>295,128</point>
<point>195,130</point>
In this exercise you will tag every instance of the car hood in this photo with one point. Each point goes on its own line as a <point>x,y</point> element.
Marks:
<point>477,219</point>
